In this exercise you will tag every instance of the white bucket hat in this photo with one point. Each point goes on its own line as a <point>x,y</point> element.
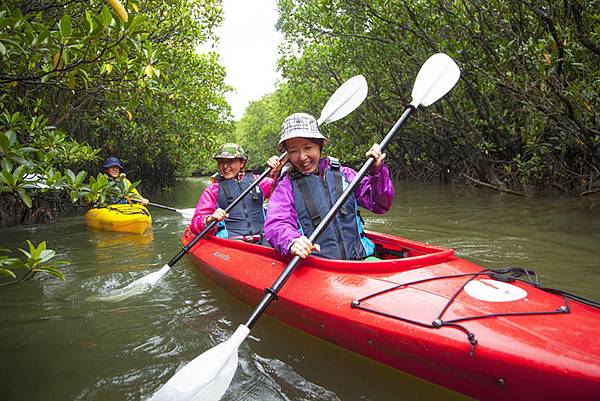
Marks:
<point>299,125</point>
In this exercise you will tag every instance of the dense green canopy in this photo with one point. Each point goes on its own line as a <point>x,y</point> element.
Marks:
<point>79,82</point>
<point>525,114</point>
<point>84,79</point>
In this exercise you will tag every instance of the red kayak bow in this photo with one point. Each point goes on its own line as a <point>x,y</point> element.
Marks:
<point>492,335</point>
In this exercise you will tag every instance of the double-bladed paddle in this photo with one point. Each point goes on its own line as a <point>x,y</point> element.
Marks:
<point>343,101</point>
<point>207,377</point>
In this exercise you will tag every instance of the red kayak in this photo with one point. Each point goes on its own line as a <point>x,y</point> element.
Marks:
<point>488,334</point>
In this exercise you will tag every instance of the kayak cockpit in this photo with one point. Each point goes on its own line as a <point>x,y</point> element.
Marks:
<point>396,254</point>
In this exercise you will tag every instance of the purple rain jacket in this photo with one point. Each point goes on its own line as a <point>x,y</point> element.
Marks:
<point>375,193</point>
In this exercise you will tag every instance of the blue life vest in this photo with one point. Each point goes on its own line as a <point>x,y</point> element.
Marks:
<point>344,237</point>
<point>248,216</point>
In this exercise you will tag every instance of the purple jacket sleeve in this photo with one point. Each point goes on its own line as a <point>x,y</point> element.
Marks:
<point>281,227</point>
<point>375,192</point>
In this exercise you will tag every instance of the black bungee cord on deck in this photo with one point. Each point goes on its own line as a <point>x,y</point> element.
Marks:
<point>507,274</point>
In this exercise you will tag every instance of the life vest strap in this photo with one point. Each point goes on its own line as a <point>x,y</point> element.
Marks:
<point>311,206</point>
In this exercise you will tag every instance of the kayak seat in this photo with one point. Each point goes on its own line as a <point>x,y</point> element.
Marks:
<point>383,253</point>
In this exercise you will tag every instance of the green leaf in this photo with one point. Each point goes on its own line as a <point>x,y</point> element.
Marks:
<point>19,173</point>
<point>65,26</point>
<point>51,270</point>
<point>74,196</point>
<point>34,252</point>
<point>42,246</point>
<point>23,161</point>
<point>11,136</point>
<point>106,16</point>
<point>70,175</point>
<point>27,149</point>
<point>7,272</point>
<point>80,177</point>
<point>24,252</point>
<point>88,18</point>
<point>46,255</point>
<point>43,35</point>
<point>6,164</point>
<point>14,118</point>
<point>4,143</point>
<point>7,178</point>
<point>135,22</point>
<point>25,197</point>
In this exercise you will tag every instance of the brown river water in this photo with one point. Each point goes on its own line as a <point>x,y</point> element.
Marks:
<point>59,342</point>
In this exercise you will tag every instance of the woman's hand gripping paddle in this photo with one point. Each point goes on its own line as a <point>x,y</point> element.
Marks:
<point>343,101</point>
<point>208,376</point>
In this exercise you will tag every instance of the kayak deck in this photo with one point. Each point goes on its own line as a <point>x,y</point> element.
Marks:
<point>128,218</point>
<point>428,313</point>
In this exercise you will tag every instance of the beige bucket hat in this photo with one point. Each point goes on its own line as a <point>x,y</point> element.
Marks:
<point>299,125</point>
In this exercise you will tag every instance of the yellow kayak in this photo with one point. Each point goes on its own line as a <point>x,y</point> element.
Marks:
<point>126,218</point>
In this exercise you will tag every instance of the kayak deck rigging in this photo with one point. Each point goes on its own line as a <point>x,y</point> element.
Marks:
<point>128,210</point>
<point>504,275</point>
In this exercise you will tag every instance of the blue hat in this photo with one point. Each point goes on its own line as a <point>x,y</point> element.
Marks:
<point>112,161</point>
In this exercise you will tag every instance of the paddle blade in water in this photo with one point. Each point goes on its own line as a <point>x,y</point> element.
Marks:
<point>139,286</point>
<point>187,214</point>
<point>436,77</point>
<point>344,100</point>
<point>207,377</point>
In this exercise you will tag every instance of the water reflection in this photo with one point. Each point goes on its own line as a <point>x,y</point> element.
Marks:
<point>134,248</point>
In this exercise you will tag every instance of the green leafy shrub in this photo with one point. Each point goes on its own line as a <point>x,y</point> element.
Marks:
<point>36,259</point>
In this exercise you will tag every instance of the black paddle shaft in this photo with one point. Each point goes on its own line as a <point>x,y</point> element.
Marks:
<point>237,200</point>
<point>271,293</point>
<point>163,207</point>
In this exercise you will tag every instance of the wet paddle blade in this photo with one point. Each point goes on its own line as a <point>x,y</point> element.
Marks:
<point>187,214</point>
<point>139,286</point>
<point>436,77</point>
<point>344,100</point>
<point>206,377</point>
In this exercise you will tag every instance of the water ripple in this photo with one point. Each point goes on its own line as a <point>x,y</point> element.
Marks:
<point>264,379</point>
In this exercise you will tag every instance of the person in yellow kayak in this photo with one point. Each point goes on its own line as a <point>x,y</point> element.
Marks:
<point>114,170</point>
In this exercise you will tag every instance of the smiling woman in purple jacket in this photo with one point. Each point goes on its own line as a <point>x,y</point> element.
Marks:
<point>307,190</point>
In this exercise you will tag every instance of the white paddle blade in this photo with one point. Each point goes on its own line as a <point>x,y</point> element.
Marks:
<point>436,77</point>
<point>152,278</point>
<point>139,286</point>
<point>206,377</point>
<point>187,214</point>
<point>344,100</point>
